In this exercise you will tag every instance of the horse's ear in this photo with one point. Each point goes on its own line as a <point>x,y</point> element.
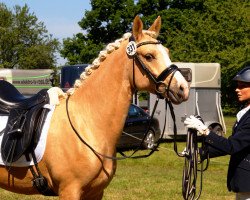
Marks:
<point>156,26</point>
<point>137,28</point>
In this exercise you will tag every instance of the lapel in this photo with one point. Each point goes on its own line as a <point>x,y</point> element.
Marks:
<point>243,118</point>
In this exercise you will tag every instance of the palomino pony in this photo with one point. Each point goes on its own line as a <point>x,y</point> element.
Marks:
<point>80,167</point>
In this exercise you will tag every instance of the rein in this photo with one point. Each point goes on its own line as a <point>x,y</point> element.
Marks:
<point>190,169</point>
<point>191,153</point>
<point>131,51</point>
<point>98,154</point>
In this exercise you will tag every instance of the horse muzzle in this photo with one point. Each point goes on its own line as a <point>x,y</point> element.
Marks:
<point>175,95</point>
<point>179,97</point>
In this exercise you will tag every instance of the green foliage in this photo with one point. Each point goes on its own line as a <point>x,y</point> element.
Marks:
<point>24,42</point>
<point>107,21</point>
<point>230,111</point>
<point>143,95</point>
<point>193,30</point>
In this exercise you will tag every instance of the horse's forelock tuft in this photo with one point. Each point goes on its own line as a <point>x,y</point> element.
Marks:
<point>150,33</point>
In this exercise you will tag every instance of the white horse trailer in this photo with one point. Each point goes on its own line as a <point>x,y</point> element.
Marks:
<point>204,100</point>
<point>28,82</point>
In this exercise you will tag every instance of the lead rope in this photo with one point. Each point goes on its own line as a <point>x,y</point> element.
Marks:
<point>190,169</point>
<point>142,141</point>
<point>191,153</point>
<point>123,155</point>
<point>189,176</point>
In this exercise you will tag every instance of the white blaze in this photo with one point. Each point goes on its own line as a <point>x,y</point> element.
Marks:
<point>178,76</point>
<point>166,58</point>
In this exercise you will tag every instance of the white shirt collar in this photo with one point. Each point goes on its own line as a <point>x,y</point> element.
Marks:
<point>242,112</point>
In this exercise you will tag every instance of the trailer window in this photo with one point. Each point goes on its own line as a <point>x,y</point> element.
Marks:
<point>187,73</point>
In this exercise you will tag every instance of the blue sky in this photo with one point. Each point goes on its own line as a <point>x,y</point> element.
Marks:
<point>60,17</point>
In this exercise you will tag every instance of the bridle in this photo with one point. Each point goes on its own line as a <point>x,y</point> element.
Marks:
<point>191,154</point>
<point>131,47</point>
<point>158,81</point>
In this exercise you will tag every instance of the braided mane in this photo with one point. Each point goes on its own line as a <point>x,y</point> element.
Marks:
<point>102,56</point>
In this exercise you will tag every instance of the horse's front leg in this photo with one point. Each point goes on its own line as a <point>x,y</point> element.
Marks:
<point>96,196</point>
<point>71,192</point>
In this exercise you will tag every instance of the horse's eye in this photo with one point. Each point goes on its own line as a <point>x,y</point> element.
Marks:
<point>149,57</point>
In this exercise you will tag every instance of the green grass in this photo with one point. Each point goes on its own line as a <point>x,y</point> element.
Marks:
<point>158,177</point>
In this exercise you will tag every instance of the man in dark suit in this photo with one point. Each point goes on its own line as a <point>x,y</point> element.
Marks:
<point>237,145</point>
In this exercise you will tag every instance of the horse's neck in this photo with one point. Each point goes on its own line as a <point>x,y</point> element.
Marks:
<point>103,100</point>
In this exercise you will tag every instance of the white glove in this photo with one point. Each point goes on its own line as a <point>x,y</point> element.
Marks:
<point>194,123</point>
<point>184,152</point>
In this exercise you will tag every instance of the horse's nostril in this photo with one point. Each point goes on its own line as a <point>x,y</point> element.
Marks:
<point>181,90</point>
<point>181,93</point>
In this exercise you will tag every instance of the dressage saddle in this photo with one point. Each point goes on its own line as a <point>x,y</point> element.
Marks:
<point>26,117</point>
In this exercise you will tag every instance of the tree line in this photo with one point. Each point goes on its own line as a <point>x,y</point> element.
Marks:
<point>193,30</point>
<point>24,41</point>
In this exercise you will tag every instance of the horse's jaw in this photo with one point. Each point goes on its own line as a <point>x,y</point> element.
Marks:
<point>179,97</point>
<point>178,91</point>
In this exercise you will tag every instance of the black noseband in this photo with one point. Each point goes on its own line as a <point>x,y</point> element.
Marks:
<point>166,72</point>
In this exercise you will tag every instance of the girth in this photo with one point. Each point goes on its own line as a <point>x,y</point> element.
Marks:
<point>25,121</point>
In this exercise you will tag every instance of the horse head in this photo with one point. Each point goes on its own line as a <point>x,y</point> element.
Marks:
<point>152,67</point>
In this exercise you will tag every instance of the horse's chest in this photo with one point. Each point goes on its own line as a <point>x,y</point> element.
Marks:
<point>105,176</point>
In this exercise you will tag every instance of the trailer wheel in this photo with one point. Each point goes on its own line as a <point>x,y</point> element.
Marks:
<point>216,128</point>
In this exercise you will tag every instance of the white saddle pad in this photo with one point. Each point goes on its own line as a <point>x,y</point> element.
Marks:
<point>40,148</point>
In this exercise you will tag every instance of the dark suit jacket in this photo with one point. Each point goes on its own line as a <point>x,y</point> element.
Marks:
<point>238,146</point>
